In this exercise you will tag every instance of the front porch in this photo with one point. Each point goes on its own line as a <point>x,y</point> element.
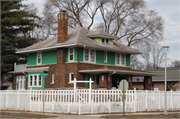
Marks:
<point>110,79</point>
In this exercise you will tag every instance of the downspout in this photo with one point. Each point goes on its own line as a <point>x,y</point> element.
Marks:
<point>110,75</point>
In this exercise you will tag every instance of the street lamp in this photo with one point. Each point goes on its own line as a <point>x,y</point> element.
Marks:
<point>165,96</point>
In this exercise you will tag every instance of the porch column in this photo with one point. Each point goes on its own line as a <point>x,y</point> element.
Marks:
<point>147,82</point>
<point>109,82</point>
<point>129,80</point>
<point>103,80</point>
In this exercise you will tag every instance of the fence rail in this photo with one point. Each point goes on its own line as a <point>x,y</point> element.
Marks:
<point>86,101</point>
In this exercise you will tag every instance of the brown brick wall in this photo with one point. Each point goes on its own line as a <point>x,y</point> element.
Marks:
<point>147,84</point>
<point>14,81</point>
<point>62,27</point>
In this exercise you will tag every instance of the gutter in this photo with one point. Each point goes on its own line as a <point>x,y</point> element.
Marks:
<point>112,73</point>
<point>76,44</point>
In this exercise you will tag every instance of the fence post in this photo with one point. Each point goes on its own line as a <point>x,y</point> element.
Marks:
<point>134,99</point>
<point>90,91</point>
<point>79,107</point>
<point>92,104</point>
<point>146,101</point>
<point>159,100</point>
<point>30,99</point>
<point>7,98</point>
<point>109,106</point>
<point>74,90</point>
<point>172,99</point>
<point>18,99</point>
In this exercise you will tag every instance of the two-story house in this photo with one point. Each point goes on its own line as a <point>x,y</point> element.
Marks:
<point>81,54</point>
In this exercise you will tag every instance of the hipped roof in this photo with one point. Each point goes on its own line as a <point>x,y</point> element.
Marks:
<point>80,37</point>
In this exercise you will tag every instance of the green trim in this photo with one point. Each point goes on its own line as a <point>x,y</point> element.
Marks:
<point>98,39</point>
<point>86,79</point>
<point>67,54</point>
<point>35,88</point>
<point>75,53</point>
<point>100,57</point>
<point>49,57</point>
<point>32,59</point>
<point>128,60</point>
<point>110,41</point>
<point>81,51</point>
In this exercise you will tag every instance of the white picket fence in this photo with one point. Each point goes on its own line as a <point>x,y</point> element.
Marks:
<point>85,102</point>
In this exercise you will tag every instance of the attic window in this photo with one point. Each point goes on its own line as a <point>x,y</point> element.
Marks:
<point>105,40</point>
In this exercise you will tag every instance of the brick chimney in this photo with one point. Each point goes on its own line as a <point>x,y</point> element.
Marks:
<point>62,26</point>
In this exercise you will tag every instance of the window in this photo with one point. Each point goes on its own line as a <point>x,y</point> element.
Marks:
<point>86,54</point>
<point>71,77</point>
<point>105,56</point>
<point>39,80</point>
<point>21,82</point>
<point>71,54</point>
<point>92,55</point>
<point>89,55</point>
<point>31,78</point>
<point>117,58</point>
<point>39,57</point>
<point>105,40</point>
<point>122,59</point>
<point>35,80</point>
<point>52,79</point>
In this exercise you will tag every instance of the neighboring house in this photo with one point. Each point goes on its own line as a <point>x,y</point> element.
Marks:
<point>173,77</point>
<point>19,80</point>
<point>3,87</point>
<point>81,54</point>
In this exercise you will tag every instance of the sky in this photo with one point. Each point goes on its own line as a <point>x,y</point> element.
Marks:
<point>170,12</point>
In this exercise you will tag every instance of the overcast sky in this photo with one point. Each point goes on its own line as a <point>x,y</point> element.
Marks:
<point>170,12</point>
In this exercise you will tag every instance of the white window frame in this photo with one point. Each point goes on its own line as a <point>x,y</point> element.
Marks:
<point>118,58</point>
<point>37,81</point>
<point>105,57</point>
<point>89,55</point>
<point>38,63</point>
<point>52,79</point>
<point>107,41</point>
<point>70,54</point>
<point>71,77</point>
<point>124,59</point>
<point>20,79</point>
<point>120,63</point>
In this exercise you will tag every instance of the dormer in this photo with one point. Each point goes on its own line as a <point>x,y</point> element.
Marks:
<point>102,37</point>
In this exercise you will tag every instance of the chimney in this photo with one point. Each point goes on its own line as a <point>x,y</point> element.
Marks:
<point>62,26</point>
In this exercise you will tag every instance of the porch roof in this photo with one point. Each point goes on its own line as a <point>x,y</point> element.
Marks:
<point>123,71</point>
<point>41,69</point>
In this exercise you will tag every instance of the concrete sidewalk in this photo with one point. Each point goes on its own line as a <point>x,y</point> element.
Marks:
<point>94,116</point>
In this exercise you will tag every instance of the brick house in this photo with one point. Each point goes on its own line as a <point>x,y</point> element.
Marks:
<point>81,54</point>
<point>173,77</point>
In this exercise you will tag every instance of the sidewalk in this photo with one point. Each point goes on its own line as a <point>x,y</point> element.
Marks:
<point>94,116</point>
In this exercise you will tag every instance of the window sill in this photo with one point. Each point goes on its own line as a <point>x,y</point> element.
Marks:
<point>51,83</point>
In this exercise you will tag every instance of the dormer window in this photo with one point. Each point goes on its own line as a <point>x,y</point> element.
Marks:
<point>105,40</point>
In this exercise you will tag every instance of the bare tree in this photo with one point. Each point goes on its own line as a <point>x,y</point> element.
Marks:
<point>175,63</point>
<point>130,20</point>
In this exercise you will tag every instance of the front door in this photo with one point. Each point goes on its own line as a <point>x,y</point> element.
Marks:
<point>95,78</point>
<point>116,79</point>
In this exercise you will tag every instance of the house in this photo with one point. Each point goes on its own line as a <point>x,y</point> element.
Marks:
<point>3,87</point>
<point>81,54</point>
<point>173,77</point>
